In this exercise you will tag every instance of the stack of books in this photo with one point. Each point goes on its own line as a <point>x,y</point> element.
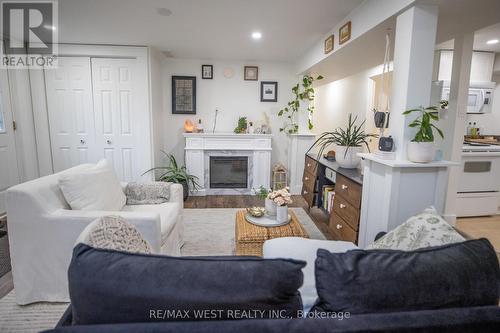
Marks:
<point>328,195</point>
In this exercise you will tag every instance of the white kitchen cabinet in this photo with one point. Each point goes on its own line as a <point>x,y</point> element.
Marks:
<point>481,66</point>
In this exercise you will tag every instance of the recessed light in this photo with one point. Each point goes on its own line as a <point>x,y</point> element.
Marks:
<point>256,35</point>
<point>492,41</point>
<point>164,11</point>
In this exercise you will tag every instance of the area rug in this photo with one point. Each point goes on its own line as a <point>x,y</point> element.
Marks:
<point>206,232</point>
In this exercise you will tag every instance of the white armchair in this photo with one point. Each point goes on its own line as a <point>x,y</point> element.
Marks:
<point>43,230</point>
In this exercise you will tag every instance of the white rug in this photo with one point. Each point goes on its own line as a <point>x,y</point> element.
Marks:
<point>206,232</point>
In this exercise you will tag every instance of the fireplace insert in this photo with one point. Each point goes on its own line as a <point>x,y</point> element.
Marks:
<point>228,172</point>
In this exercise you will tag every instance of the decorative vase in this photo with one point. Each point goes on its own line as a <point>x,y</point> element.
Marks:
<point>270,207</point>
<point>282,214</point>
<point>349,159</point>
<point>421,152</point>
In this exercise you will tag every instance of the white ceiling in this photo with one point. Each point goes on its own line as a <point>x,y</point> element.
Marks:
<point>207,29</point>
<point>486,34</point>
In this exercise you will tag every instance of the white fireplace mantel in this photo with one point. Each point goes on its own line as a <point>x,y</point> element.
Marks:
<point>257,147</point>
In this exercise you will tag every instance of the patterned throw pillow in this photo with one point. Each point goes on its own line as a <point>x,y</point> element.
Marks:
<point>113,232</point>
<point>422,230</point>
<point>147,193</point>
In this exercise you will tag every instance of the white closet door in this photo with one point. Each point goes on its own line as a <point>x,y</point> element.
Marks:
<point>71,117</point>
<point>118,115</point>
<point>9,174</point>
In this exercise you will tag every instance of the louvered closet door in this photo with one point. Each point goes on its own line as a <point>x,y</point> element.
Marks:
<point>116,112</point>
<point>70,110</point>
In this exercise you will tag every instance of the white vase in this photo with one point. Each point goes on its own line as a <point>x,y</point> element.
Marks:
<point>421,152</point>
<point>349,159</point>
<point>270,207</point>
<point>282,214</point>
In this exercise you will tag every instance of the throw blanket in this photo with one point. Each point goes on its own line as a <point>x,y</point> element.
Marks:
<point>147,194</point>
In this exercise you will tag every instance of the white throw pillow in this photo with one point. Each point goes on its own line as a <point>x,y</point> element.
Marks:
<point>422,230</point>
<point>95,188</point>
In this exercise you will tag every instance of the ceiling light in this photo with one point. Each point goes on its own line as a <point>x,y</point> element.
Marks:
<point>164,11</point>
<point>492,41</point>
<point>256,35</point>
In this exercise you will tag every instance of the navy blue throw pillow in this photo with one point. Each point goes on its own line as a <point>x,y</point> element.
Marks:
<point>455,275</point>
<point>108,286</point>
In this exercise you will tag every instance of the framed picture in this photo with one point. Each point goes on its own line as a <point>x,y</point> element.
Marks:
<point>184,94</point>
<point>329,44</point>
<point>345,33</point>
<point>269,91</point>
<point>207,72</point>
<point>251,73</point>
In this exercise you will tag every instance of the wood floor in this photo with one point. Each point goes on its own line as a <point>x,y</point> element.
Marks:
<point>478,227</point>
<point>243,201</point>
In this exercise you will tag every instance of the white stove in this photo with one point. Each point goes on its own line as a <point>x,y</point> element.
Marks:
<point>479,180</point>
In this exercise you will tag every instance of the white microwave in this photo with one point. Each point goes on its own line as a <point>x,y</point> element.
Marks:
<point>479,100</point>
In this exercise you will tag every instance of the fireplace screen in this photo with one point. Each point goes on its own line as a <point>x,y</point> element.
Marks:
<point>228,172</point>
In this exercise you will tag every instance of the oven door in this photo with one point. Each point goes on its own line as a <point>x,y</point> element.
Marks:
<point>479,173</point>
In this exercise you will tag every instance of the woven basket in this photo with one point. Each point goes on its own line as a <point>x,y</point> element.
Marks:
<point>4,256</point>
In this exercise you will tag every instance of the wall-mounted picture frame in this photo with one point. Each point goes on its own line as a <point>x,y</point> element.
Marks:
<point>329,44</point>
<point>207,72</point>
<point>268,91</point>
<point>345,33</point>
<point>183,94</point>
<point>251,73</point>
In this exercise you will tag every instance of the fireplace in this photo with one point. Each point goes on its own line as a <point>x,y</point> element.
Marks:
<point>229,172</point>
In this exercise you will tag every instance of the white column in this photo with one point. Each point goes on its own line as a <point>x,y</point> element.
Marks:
<point>455,121</point>
<point>298,144</point>
<point>413,60</point>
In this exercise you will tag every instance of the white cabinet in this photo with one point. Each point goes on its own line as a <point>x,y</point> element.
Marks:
<point>481,66</point>
<point>98,107</point>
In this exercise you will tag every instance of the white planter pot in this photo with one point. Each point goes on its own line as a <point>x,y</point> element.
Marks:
<point>421,152</point>
<point>282,214</point>
<point>270,207</point>
<point>349,160</point>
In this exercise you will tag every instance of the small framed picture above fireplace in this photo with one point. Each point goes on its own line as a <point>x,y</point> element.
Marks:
<point>184,94</point>
<point>268,91</point>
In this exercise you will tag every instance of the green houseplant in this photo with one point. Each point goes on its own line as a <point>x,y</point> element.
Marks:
<point>242,125</point>
<point>422,149</point>
<point>174,173</point>
<point>303,92</point>
<point>349,142</point>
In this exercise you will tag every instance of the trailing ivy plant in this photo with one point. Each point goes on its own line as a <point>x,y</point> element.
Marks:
<point>424,124</point>
<point>303,91</point>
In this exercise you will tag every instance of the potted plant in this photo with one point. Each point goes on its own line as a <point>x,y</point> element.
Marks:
<point>422,149</point>
<point>281,198</point>
<point>302,91</point>
<point>349,142</point>
<point>242,126</point>
<point>262,193</point>
<point>175,174</point>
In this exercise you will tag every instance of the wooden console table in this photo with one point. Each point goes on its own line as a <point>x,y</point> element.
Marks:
<point>343,219</point>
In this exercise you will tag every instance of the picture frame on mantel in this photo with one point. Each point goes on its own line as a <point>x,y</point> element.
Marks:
<point>207,72</point>
<point>345,33</point>
<point>183,94</point>
<point>329,44</point>
<point>268,91</point>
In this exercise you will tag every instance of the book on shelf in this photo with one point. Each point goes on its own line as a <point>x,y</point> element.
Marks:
<point>328,194</point>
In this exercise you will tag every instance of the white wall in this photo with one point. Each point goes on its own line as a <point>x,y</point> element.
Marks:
<point>489,122</point>
<point>233,98</point>
<point>354,94</point>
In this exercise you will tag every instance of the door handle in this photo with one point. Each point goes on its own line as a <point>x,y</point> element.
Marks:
<point>109,142</point>
<point>305,192</point>
<point>344,187</point>
<point>82,141</point>
<point>306,178</point>
<point>339,226</point>
<point>342,206</point>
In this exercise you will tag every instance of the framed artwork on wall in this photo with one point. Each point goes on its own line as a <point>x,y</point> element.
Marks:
<point>183,94</point>
<point>268,91</point>
<point>207,72</point>
<point>251,73</point>
<point>329,44</point>
<point>345,33</point>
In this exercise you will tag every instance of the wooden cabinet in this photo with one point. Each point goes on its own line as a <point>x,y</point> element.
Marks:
<point>343,220</point>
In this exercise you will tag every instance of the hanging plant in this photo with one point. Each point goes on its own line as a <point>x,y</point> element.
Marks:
<point>303,91</point>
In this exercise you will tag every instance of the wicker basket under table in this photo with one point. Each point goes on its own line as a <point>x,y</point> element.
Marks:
<point>251,237</point>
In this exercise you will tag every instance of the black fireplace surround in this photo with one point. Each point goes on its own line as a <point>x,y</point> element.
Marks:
<point>228,172</point>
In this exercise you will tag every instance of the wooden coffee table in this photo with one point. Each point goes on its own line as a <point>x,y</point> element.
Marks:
<point>250,237</point>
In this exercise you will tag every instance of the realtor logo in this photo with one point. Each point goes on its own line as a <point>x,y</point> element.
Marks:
<point>29,32</point>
